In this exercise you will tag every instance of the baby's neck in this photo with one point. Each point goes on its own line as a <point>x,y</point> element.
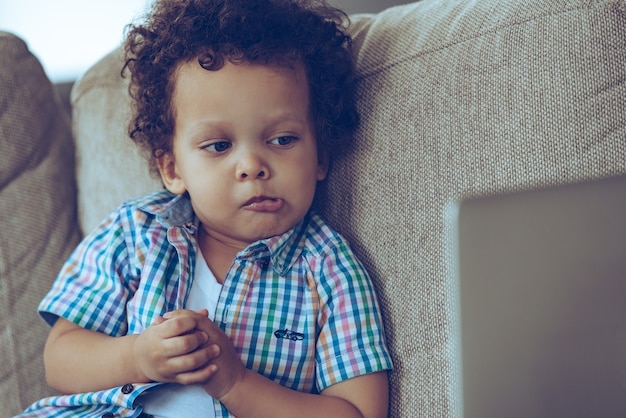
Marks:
<point>218,254</point>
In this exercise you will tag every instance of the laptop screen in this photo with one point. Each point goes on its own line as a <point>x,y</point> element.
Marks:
<point>541,279</point>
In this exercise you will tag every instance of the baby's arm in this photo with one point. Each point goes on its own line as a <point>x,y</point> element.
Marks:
<point>248,394</point>
<point>363,397</point>
<point>79,360</point>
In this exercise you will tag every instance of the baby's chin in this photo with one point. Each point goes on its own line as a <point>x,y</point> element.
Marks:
<point>243,234</point>
<point>267,233</point>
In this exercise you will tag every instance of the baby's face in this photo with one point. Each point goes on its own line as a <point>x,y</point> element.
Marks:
<point>244,148</point>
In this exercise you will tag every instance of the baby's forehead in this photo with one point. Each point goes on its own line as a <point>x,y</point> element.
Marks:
<point>241,92</point>
<point>290,79</point>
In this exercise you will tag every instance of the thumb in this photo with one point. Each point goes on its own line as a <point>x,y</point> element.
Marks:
<point>203,312</point>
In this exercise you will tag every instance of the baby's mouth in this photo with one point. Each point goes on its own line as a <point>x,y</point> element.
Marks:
<point>263,204</point>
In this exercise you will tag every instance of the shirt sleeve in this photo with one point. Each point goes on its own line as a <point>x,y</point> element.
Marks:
<point>93,286</point>
<point>351,342</point>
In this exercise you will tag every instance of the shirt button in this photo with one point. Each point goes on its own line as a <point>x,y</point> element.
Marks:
<point>127,388</point>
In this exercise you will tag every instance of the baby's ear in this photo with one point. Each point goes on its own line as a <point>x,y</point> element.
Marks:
<point>323,160</point>
<point>169,174</point>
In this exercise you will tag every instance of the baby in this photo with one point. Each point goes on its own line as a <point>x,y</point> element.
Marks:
<point>225,294</point>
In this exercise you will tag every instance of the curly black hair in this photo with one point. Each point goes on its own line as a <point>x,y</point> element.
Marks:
<point>266,32</point>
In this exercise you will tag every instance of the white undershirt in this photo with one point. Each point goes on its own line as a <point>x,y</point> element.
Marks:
<point>174,400</point>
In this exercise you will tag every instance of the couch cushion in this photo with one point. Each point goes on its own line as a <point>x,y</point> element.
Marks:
<point>37,216</point>
<point>109,167</point>
<point>458,98</point>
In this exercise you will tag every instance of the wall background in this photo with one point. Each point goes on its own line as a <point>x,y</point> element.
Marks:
<point>68,36</point>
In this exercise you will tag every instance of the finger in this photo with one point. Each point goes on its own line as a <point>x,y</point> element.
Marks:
<point>175,326</point>
<point>191,362</point>
<point>204,312</point>
<point>210,327</point>
<point>184,313</point>
<point>184,344</point>
<point>197,376</point>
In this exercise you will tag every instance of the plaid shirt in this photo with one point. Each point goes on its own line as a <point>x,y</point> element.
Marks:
<point>299,307</point>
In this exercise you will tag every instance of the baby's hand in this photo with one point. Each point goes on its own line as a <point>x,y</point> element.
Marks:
<point>226,367</point>
<point>174,350</point>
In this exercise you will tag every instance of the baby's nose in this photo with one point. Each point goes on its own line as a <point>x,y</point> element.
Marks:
<point>252,167</point>
<point>244,175</point>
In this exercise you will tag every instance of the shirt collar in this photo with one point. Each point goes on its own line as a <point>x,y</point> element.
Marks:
<point>169,209</point>
<point>283,249</point>
<point>176,211</point>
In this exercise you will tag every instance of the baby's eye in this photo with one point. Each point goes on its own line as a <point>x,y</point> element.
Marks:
<point>218,147</point>
<point>283,140</point>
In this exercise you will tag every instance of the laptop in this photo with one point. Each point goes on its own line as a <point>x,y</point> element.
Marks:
<point>541,321</point>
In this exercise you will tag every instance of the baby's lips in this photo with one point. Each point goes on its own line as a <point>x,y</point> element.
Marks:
<point>264,204</point>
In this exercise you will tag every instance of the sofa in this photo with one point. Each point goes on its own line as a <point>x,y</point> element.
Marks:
<point>458,99</point>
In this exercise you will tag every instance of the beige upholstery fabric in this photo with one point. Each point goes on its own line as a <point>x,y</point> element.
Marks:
<point>110,168</point>
<point>466,98</point>
<point>37,216</point>
<point>458,98</point>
